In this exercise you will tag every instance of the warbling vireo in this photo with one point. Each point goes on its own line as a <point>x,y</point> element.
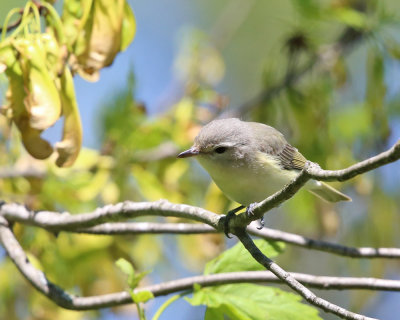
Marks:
<point>250,161</point>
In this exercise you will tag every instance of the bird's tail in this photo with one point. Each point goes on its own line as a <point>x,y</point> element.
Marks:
<point>326,192</point>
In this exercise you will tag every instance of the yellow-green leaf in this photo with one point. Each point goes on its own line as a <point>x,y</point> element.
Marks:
<point>141,296</point>
<point>128,27</point>
<point>42,99</point>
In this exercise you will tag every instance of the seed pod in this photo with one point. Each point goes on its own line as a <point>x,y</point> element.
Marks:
<point>103,28</point>
<point>42,99</point>
<point>68,149</point>
<point>15,108</point>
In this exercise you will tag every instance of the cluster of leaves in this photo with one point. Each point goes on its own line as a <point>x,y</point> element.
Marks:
<point>37,60</point>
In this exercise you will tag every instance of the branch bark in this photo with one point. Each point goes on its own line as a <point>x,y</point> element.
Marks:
<point>287,278</point>
<point>135,228</point>
<point>38,279</point>
<point>127,210</point>
<point>120,211</point>
<point>325,246</point>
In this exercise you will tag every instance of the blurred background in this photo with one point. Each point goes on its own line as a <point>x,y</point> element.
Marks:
<point>325,73</point>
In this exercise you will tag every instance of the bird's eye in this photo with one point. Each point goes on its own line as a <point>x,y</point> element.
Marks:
<point>220,149</point>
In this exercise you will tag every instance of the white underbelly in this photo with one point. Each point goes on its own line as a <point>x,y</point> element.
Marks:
<point>248,185</point>
<point>250,188</point>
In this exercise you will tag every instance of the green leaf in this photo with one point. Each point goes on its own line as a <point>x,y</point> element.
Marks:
<point>213,314</point>
<point>134,280</point>
<point>141,296</point>
<point>133,277</point>
<point>250,301</point>
<point>351,17</point>
<point>238,258</point>
<point>125,266</point>
<point>128,27</point>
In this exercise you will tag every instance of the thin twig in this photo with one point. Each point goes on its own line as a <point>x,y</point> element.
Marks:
<point>347,41</point>
<point>391,155</point>
<point>135,228</point>
<point>288,279</point>
<point>324,246</point>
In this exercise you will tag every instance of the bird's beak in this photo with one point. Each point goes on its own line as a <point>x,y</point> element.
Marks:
<point>189,153</point>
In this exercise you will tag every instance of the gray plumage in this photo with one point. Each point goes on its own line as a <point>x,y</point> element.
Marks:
<point>250,161</point>
<point>256,136</point>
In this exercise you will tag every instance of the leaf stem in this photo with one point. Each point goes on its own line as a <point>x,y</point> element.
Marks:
<point>167,303</point>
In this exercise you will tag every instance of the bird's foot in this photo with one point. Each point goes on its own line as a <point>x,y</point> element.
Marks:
<point>228,217</point>
<point>262,223</point>
<point>250,213</point>
<point>250,209</point>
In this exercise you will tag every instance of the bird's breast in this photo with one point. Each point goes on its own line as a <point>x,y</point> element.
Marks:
<point>248,181</point>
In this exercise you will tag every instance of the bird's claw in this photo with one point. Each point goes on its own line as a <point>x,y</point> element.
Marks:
<point>261,223</point>
<point>250,209</point>
<point>228,217</point>
<point>250,212</point>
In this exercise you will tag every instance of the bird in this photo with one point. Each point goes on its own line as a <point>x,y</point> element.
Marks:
<point>250,161</point>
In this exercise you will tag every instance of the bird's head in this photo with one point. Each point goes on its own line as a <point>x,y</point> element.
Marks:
<point>223,142</point>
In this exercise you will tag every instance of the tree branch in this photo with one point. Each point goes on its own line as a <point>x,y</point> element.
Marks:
<point>9,173</point>
<point>134,228</point>
<point>124,228</point>
<point>120,211</point>
<point>288,279</point>
<point>325,246</point>
<point>347,40</point>
<point>391,155</point>
<point>38,279</point>
<point>127,210</point>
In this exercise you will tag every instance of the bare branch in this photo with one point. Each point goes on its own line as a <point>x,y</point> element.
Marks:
<point>288,279</point>
<point>265,233</point>
<point>8,173</point>
<point>134,228</point>
<point>128,210</point>
<point>391,155</point>
<point>120,211</point>
<point>324,246</point>
<point>38,279</point>
<point>121,228</point>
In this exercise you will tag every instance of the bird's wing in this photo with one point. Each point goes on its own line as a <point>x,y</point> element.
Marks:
<point>271,141</point>
<point>291,158</point>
